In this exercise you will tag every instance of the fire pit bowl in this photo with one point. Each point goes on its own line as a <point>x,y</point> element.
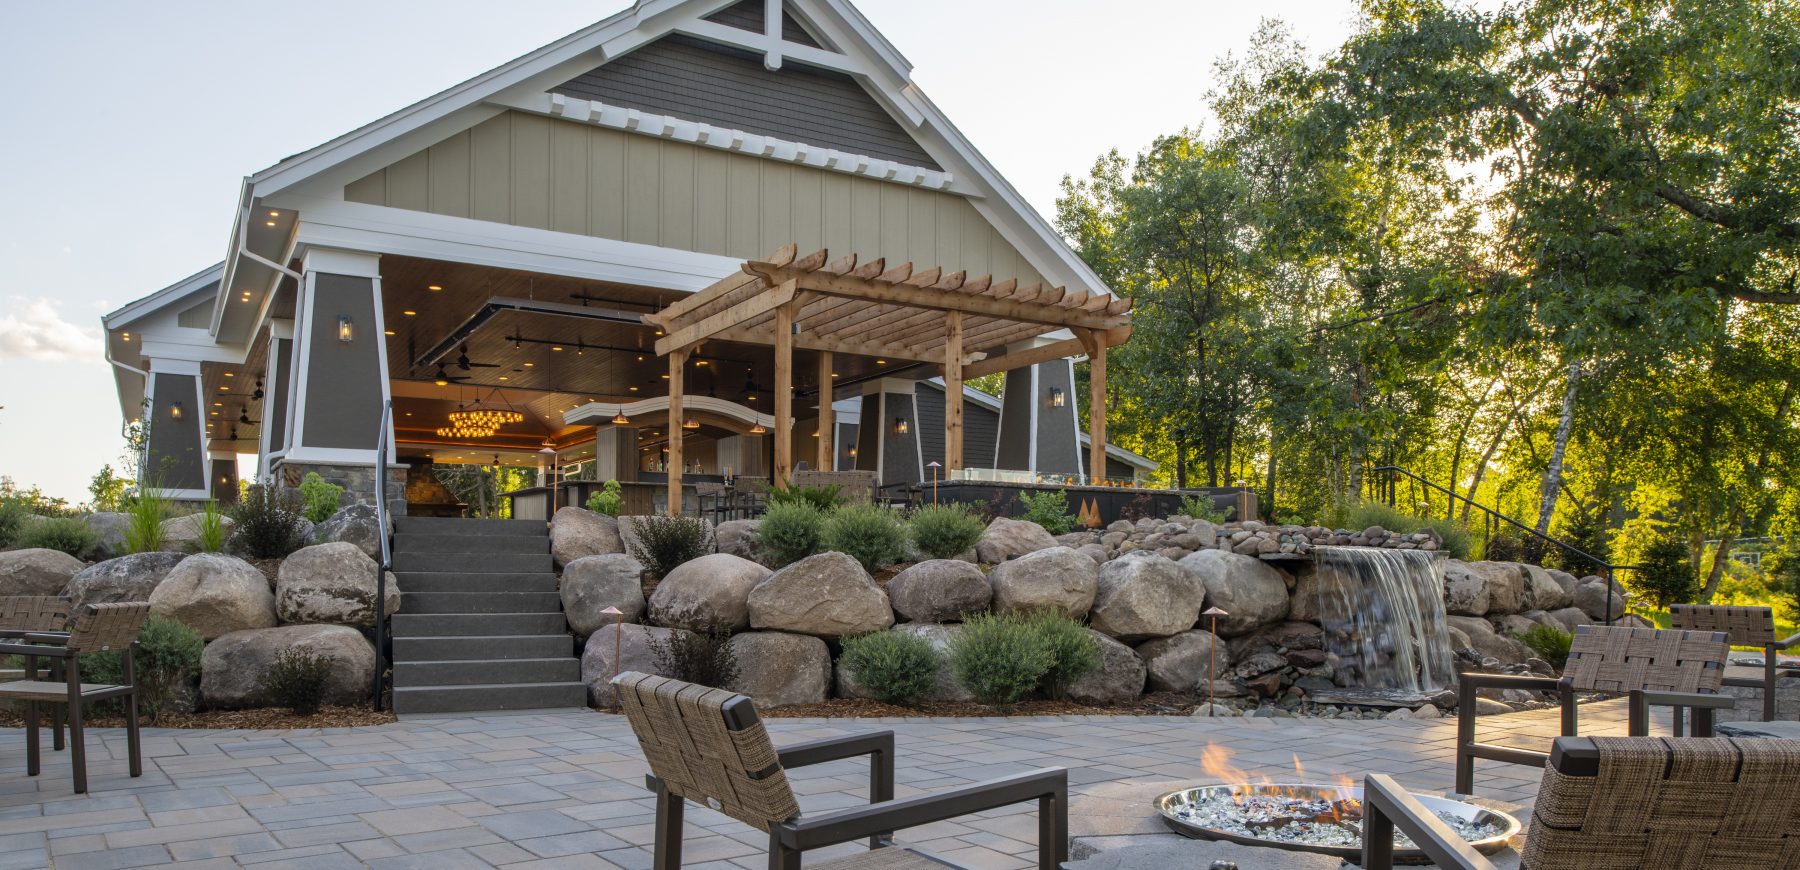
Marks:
<point>1325,819</point>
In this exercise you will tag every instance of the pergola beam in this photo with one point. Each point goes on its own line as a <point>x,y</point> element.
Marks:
<point>1044,353</point>
<point>741,313</point>
<point>894,293</point>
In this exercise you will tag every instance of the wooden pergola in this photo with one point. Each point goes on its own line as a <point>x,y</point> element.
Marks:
<point>833,306</point>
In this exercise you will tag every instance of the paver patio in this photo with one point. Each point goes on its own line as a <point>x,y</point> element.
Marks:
<point>566,789</point>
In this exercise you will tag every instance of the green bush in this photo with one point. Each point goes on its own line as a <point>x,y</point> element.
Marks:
<point>320,496</point>
<point>867,533</point>
<point>945,531</point>
<point>789,532</point>
<point>823,498</point>
<point>168,658</point>
<point>702,657</point>
<point>297,680</point>
<point>1550,644</point>
<point>1585,533</point>
<point>1073,650</point>
<point>1000,659</point>
<point>211,533</point>
<point>266,522</point>
<point>1783,570</point>
<point>1201,507</point>
<point>893,666</point>
<point>1455,536</point>
<point>1663,576</point>
<point>1049,509</point>
<point>68,534</point>
<point>146,515</point>
<point>1504,547</point>
<point>14,513</point>
<point>665,542</point>
<point>608,500</point>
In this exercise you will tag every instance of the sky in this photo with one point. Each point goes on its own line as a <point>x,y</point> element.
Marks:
<point>128,127</point>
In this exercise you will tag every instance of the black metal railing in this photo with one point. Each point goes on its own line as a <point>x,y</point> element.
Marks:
<point>381,534</point>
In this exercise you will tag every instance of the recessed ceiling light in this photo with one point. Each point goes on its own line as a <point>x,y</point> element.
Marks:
<point>409,413</point>
<point>634,389</point>
<point>834,374</point>
<point>387,332</point>
<point>556,347</point>
<point>409,312</point>
<point>270,223</point>
<point>505,378</point>
<point>659,332</point>
<point>665,377</point>
<point>530,365</point>
<point>274,214</point>
<point>224,389</point>
<point>881,362</point>
<point>231,374</point>
<point>434,287</point>
<point>218,404</point>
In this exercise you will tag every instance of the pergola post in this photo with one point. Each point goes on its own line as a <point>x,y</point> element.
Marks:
<point>827,456</point>
<point>677,369</point>
<point>953,392</point>
<point>784,389</point>
<point>1096,407</point>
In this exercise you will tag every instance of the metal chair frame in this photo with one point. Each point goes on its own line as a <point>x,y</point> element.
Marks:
<point>1747,626</point>
<point>95,628</point>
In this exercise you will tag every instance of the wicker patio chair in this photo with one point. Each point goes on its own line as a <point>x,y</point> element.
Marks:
<point>1747,626</point>
<point>707,745</point>
<point>1621,803</point>
<point>1661,667</point>
<point>35,614</point>
<point>95,628</point>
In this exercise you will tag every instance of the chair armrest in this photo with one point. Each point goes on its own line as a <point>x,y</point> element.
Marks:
<point>1508,681</point>
<point>1387,806</point>
<point>1685,699</point>
<point>1051,784</point>
<point>1786,642</point>
<point>29,649</point>
<point>837,749</point>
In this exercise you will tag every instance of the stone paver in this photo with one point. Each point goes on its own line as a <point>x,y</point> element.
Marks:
<point>566,789</point>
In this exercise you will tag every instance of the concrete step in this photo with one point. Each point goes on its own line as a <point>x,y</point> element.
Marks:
<point>480,602</point>
<point>474,563</point>
<point>478,624</point>
<point>480,647</point>
<point>458,526</point>
<point>408,675</point>
<point>413,542</point>
<point>451,581</point>
<point>475,698</point>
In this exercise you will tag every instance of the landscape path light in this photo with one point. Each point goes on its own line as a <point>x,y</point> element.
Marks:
<point>1212,654</point>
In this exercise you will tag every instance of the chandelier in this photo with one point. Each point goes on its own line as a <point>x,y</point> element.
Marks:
<point>479,419</point>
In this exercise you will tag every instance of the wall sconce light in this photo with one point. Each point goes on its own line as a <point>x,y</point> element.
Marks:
<point>852,453</point>
<point>175,410</point>
<point>900,427</point>
<point>1057,399</point>
<point>344,331</point>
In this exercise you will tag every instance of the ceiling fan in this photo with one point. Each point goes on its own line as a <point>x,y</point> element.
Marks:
<point>443,378</point>
<point>462,361</point>
<point>244,418</point>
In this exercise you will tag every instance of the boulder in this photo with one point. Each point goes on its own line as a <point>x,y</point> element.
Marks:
<point>576,533</point>
<point>1118,680</point>
<point>1321,589</point>
<point>182,534</point>
<point>215,595</point>
<point>1488,642</point>
<point>945,689</point>
<point>1591,598</point>
<point>1505,586</point>
<point>1185,662</point>
<point>1056,578</point>
<point>1543,592</point>
<point>713,589</point>
<point>940,590</point>
<point>234,670</point>
<point>634,643</point>
<point>737,537</point>
<point>826,595</point>
<point>1094,552</point>
<point>1569,617</point>
<point>109,533</point>
<point>1465,590</point>
<point>127,578</point>
<point>777,669</point>
<point>1277,638</point>
<point>1564,579</point>
<point>591,584</point>
<point>1251,593</point>
<point>1541,617</point>
<point>1145,595</point>
<point>331,583</point>
<point>356,524</point>
<point>1008,538</point>
<point>37,571</point>
<point>1512,624</point>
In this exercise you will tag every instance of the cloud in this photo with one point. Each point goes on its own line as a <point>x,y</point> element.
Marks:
<point>34,329</point>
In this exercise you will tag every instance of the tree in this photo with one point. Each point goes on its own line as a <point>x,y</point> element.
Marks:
<point>107,490</point>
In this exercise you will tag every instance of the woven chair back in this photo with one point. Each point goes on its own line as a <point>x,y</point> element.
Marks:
<point>100,627</point>
<point>1619,659</point>
<point>1671,802</point>
<point>1748,626</point>
<point>854,487</point>
<point>701,754</point>
<point>34,612</point>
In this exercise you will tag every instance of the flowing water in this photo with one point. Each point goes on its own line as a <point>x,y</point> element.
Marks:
<point>1383,615</point>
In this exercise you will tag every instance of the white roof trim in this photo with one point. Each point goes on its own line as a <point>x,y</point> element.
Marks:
<point>134,311</point>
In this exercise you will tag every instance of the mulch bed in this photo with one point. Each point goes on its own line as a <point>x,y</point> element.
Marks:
<point>1154,704</point>
<point>266,718</point>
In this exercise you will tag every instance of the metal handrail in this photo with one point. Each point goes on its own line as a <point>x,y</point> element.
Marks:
<point>381,534</point>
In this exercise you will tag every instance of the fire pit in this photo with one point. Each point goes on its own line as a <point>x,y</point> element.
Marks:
<point>1326,819</point>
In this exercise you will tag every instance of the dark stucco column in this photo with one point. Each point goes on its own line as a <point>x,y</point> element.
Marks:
<point>175,461</point>
<point>1038,428</point>
<point>887,435</point>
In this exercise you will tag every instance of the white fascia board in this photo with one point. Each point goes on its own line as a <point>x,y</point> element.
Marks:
<point>225,354</point>
<point>970,394</point>
<point>601,413</point>
<point>164,299</point>
<point>1121,454</point>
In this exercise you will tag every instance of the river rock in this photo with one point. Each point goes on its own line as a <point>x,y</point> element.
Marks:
<point>331,583</point>
<point>1057,579</point>
<point>940,590</point>
<point>234,669</point>
<point>356,524</point>
<point>1118,680</point>
<point>576,533</point>
<point>1465,590</point>
<point>109,533</point>
<point>1591,598</point>
<point>944,689</point>
<point>1009,538</point>
<point>215,595</point>
<point>777,669</point>
<point>636,647</point>
<point>1490,643</point>
<point>713,589</point>
<point>1543,592</point>
<point>1314,586</point>
<point>1185,662</point>
<point>1143,595</point>
<point>127,578</point>
<point>737,537</point>
<point>37,571</point>
<point>827,595</point>
<point>1251,593</point>
<point>591,584</point>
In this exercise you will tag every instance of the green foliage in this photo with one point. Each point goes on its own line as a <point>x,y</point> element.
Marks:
<point>1584,533</point>
<point>68,534</point>
<point>1455,536</point>
<point>211,532</point>
<point>789,531</point>
<point>297,680</point>
<point>870,534</point>
<point>167,659</point>
<point>320,497</point>
<point>1664,576</point>
<point>1782,569</point>
<point>663,543</point>
<point>107,490</point>
<point>822,498</point>
<point>1201,507</point>
<point>1550,644</point>
<point>945,531</point>
<point>14,514</point>
<point>893,666</point>
<point>1000,658</point>
<point>1504,547</point>
<point>266,523</point>
<point>1073,650</point>
<point>702,657</point>
<point>608,500</point>
<point>1048,508</point>
<point>146,516</point>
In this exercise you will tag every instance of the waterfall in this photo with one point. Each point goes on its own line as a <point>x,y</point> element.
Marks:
<point>1383,615</point>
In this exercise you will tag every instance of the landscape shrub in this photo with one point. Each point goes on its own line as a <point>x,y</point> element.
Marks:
<point>266,522</point>
<point>999,658</point>
<point>608,500</point>
<point>1201,507</point>
<point>1663,576</point>
<point>789,532</point>
<point>167,659</point>
<point>1550,644</point>
<point>666,542</point>
<point>870,534</point>
<point>14,513</point>
<point>1504,547</point>
<point>146,516</point>
<point>1584,533</point>
<point>701,657</point>
<point>1073,650</point>
<point>1455,536</point>
<point>893,666</point>
<point>945,531</point>
<point>1049,509</point>
<point>297,680</point>
<point>211,532</point>
<point>823,498</point>
<point>320,496</point>
<point>1782,568</point>
<point>68,534</point>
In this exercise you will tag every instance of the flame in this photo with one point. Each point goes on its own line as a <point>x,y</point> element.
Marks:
<point>1216,761</point>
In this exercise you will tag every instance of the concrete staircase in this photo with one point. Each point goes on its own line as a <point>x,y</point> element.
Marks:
<point>480,625</point>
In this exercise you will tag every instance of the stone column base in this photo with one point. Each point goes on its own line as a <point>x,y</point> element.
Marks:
<point>358,482</point>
